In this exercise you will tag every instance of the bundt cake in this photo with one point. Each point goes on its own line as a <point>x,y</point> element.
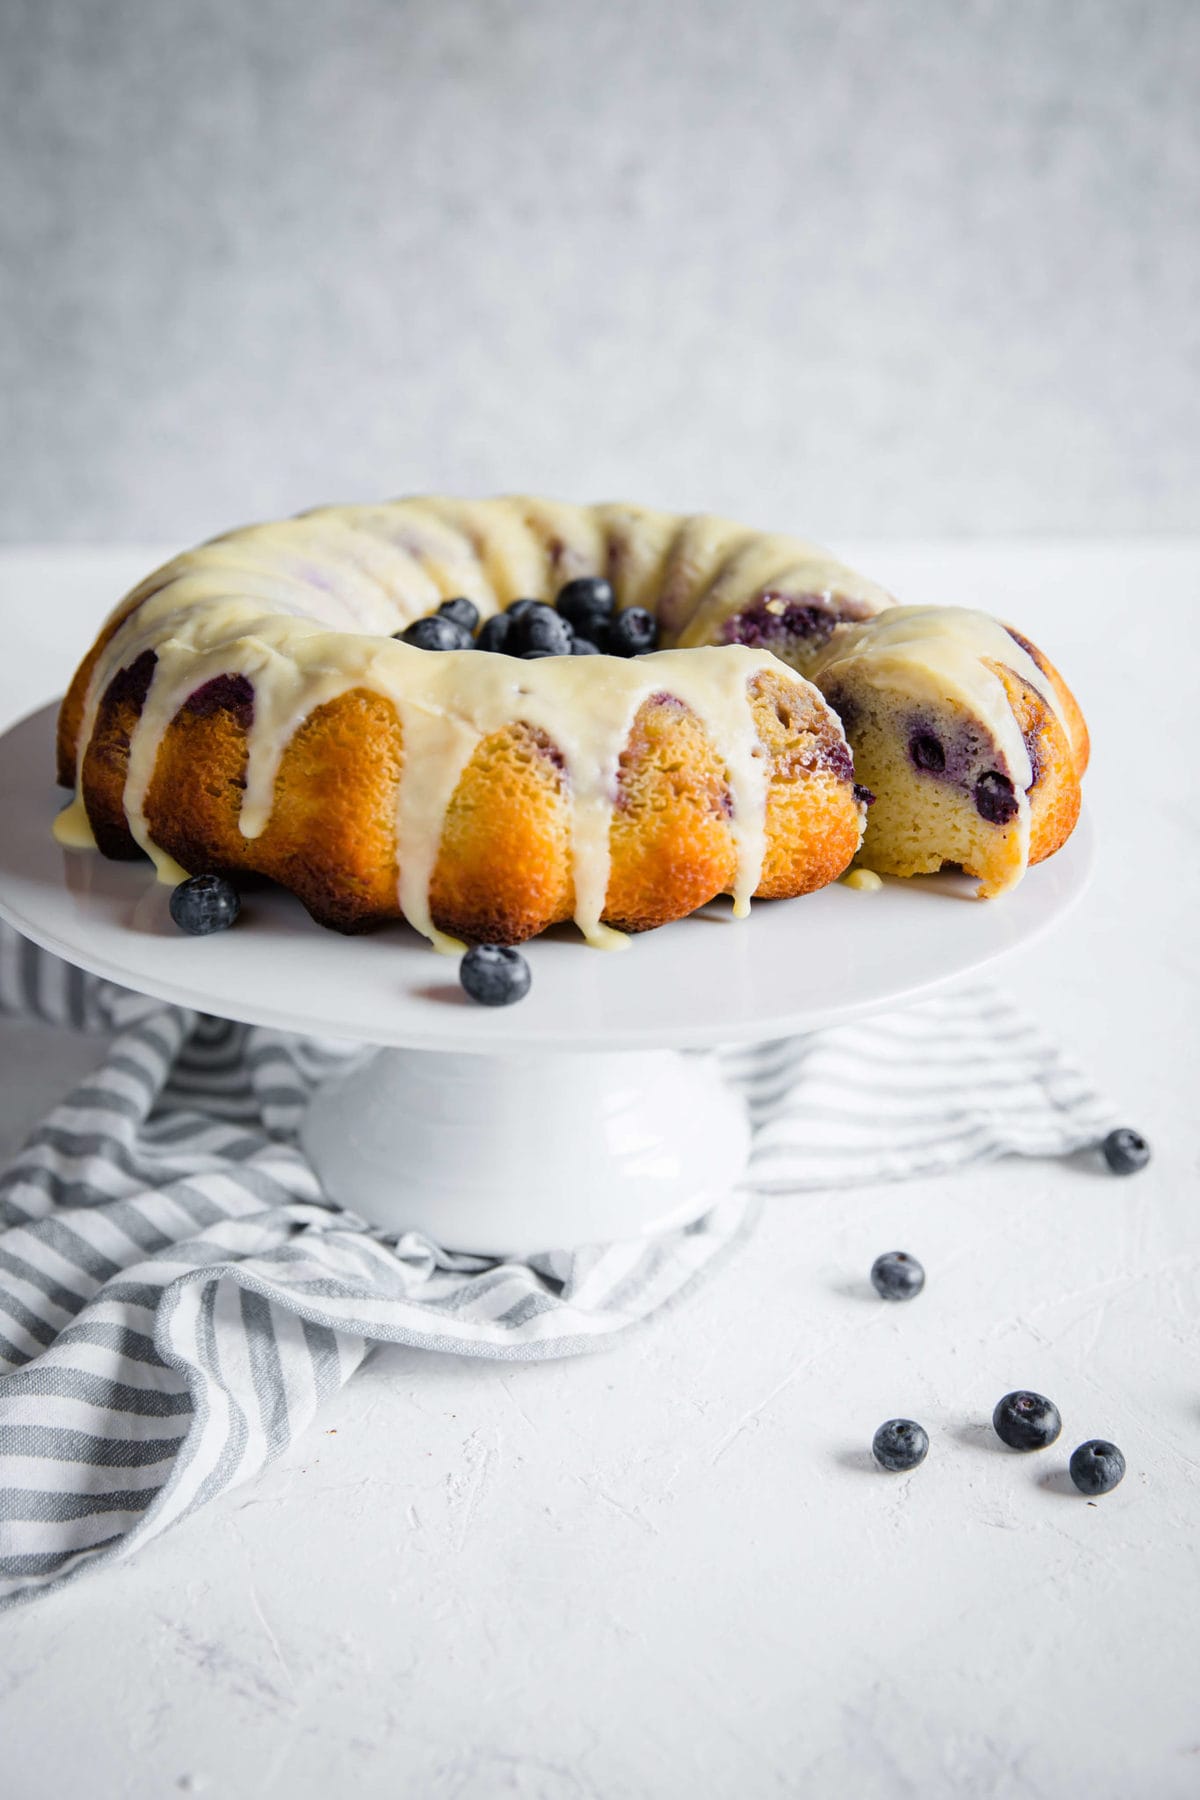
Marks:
<point>252,707</point>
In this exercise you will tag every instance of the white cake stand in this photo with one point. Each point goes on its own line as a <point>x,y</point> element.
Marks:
<point>575,1116</point>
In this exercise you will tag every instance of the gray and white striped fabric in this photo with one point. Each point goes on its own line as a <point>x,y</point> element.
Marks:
<point>177,1298</point>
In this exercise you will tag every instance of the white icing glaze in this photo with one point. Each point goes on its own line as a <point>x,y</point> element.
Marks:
<point>305,609</point>
<point>941,654</point>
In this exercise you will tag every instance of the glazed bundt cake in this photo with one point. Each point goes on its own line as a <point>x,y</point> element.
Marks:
<point>251,707</point>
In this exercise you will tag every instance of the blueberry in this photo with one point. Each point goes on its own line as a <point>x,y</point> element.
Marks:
<point>494,974</point>
<point>1096,1467</point>
<point>633,632</point>
<point>464,612</point>
<point>584,647</point>
<point>494,633</point>
<point>540,628</point>
<point>1125,1151</point>
<point>900,1444</point>
<point>1026,1421</point>
<point>205,903</point>
<point>995,800</point>
<point>927,752</point>
<point>516,609</point>
<point>438,633</point>
<point>587,603</point>
<point>897,1276</point>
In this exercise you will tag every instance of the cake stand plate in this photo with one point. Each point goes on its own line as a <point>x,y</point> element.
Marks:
<point>569,1118</point>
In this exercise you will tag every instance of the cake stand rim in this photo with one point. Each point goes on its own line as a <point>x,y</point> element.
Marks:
<point>491,1032</point>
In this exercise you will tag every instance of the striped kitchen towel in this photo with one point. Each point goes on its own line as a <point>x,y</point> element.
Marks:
<point>176,1296</point>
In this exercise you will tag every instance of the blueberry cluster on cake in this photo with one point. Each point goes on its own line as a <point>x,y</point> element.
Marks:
<point>583,621</point>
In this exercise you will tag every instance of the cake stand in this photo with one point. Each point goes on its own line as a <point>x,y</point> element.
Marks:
<point>586,1112</point>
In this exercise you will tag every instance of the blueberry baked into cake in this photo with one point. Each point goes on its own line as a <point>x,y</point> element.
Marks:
<point>490,716</point>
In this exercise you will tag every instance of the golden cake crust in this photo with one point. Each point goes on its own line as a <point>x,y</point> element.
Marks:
<point>503,871</point>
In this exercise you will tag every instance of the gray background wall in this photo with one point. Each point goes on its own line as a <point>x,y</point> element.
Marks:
<point>857,267</point>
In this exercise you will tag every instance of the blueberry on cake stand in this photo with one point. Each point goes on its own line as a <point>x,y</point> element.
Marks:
<point>581,1114</point>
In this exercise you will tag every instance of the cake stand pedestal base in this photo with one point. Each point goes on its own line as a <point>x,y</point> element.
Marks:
<point>511,1154</point>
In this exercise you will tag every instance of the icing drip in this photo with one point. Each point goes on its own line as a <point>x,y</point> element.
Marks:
<point>305,610</point>
<point>71,827</point>
<point>717,693</point>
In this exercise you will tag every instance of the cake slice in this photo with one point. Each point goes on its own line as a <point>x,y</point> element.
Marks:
<point>967,738</point>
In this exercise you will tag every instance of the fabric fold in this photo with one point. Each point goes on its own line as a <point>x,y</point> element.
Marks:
<point>177,1298</point>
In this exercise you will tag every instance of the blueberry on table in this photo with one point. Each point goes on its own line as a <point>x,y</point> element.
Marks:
<point>1125,1151</point>
<point>633,632</point>
<point>1096,1467</point>
<point>1026,1421</point>
<point>897,1276</point>
<point>539,627</point>
<point>494,974</point>
<point>587,603</point>
<point>494,633</point>
<point>464,612</point>
<point>205,903</point>
<point>437,632</point>
<point>900,1444</point>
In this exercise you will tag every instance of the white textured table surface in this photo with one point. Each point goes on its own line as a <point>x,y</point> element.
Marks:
<point>669,1569</point>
